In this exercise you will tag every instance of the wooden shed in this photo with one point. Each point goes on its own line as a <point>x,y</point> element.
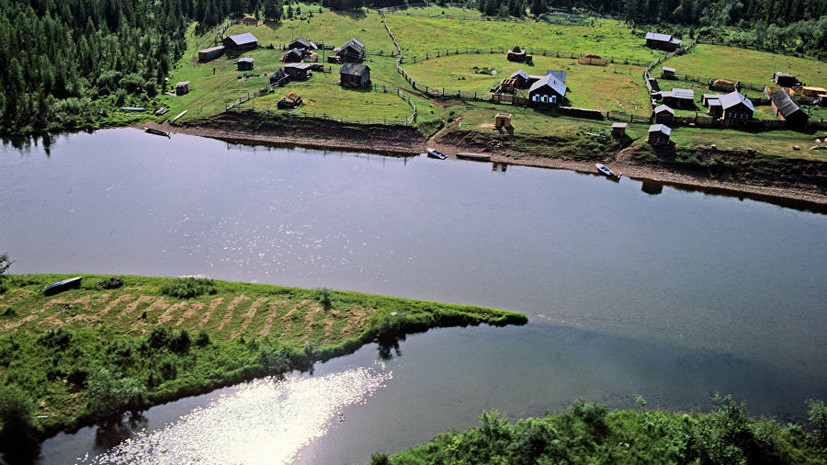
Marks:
<point>182,88</point>
<point>659,135</point>
<point>209,54</point>
<point>812,91</point>
<point>619,129</point>
<point>664,114</point>
<point>240,42</point>
<point>298,71</point>
<point>784,79</point>
<point>787,109</point>
<point>354,75</point>
<point>502,120</point>
<point>352,51</point>
<point>679,98</point>
<point>667,73</point>
<point>292,56</point>
<point>660,41</point>
<point>518,55</point>
<point>244,64</point>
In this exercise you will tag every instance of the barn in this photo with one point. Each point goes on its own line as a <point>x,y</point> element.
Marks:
<point>302,44</point>
<point>787,109</point>
<point>240,42</point>
<point>354,76</point>
<point>209,54</point>
<point>292,56</point>
<point>660,41</point>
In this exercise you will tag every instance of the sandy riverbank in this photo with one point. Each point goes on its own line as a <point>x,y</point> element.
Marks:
<point>407,141</point>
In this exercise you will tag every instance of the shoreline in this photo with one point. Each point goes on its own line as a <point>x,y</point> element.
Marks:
<point>407,142</point>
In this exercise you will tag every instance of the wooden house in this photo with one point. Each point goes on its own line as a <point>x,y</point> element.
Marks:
<point>352,51</point>
<point>244,64</point>
<point>679,98</point>
<point>736,106</point>
<point>663,114</point>
<point>297,71</point>
<point>659,41</point>
<point>659,135</point>
<point>250,21</point>
<point>182,88</point>
<point>713,106</point>
<point>548,91</point>
<point>502,120</point>
<point>785,79</point>
<point>209,54</point>
<point>667,73</point>
<point>301,43</point>
<point>240,42</point>
<point>292,56</point>
<point>619,129</point>
<point>787,109</point>
<point>354,76</point>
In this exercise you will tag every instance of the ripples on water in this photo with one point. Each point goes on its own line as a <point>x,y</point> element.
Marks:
<point>263,422</point>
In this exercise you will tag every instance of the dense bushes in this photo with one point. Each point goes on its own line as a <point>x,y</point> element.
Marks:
<point>187,288</point>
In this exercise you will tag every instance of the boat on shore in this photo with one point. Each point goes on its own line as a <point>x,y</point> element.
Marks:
<point>604,170</point>
<point>474,156</point>
<point>65,285</point>
<point>157,132</point>
<point>434,153</point>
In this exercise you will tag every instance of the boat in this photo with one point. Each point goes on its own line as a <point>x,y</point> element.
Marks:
<point>157,132</point>
<point>474,156</point>
<point>433,153</point>
<point>65,285</point>
<point>603,169</point>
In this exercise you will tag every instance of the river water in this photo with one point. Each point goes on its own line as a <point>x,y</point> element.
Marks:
<point>673,296</point>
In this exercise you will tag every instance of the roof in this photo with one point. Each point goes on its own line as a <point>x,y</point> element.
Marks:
<point>619,125</point>
<point>780,74</point>
<point>353,69</point>
<point>549,81</point>
<point>814,88</point>
<point>298,65</point>
<point>660,128</point>
<point>353,43</point>
<point>244,60</point>
<point>520,73</point>
<point>662,108</point>
<point>212,49</point>
<point>714,102</point>
<point>668,69</point>
<point>302,42</point>
<point>683,93</point>
<point>734,98</point>
<point>243,39</point>
<point>182,83</point>
<point>559,75</point>
<point>785,104</point>
<point>658,37</point>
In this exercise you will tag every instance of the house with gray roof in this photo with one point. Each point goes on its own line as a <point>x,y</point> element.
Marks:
<point>240,42</point>
<point>736,106</point>
<point>660,41</point>
<point>354,75</point>
<point>548,91</point>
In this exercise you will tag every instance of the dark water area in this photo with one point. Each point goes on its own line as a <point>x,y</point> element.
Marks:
<point>631,288</point>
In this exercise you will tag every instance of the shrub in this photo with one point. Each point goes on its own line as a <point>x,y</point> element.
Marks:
<point>203,339</point>
<point>111,283</point>
<point>109,393</point>
<point>187,288</point>
<point>16,411</point>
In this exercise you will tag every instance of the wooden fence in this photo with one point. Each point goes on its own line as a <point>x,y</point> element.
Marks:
<point>499,50</point>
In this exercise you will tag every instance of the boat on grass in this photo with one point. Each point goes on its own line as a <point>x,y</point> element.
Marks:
<point>65,285</point>
<point>434,153</point>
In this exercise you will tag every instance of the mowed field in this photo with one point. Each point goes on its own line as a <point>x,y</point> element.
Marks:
<point>612,87</point>
<point>737,64</point>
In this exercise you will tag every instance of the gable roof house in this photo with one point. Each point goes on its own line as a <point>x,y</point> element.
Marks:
<point>352,51</point>
<point>301,43</point>
<point>292,56</point>
<point>549,90</point>
<point>787,109</point>
<point>241,42</point>
<point>679,98</point>
<point>659,134</point>
<point>663,113</point>
<point>354,76</point>
<point>298,71</point>
<point>736,106</point>
<point>660,41</point>
<point>244,64</point>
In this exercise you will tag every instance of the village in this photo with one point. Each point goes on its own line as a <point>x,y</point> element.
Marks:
<point>370,78</point>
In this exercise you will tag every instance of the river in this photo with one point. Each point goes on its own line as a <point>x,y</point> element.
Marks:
<point>673,296</point>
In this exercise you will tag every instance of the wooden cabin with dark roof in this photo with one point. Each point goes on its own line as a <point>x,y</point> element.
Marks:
<point>244,64</point>
<point>354,76</point>
<point>787,109</point>
<point>679,98</point>
<point>298,71</point>
<point>352,51</point>
<point>659,135</point>
<point>660,41</point>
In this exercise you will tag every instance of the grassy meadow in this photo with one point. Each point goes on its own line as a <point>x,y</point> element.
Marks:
<point>93,352</point>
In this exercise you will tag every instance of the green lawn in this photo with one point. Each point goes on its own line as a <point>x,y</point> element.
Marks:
<point>418,34</point>
<point>737,64</point>
<point>612,87</point>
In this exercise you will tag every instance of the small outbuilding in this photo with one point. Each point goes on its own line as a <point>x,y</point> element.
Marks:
<point>619,129</point>
<point>787,109</point>
<point>714,108</point>
<point>292,56</point>
<point>352,51</point>
<point>518,55</point>
<point>301,43</point>
<point>785,79</point>
<point>244,64</point>
<point>664,114</point>
<point>667,73</point>
<point>209,54</point>
<point>812,91</point>
<point>289,101</point>
<point>659,135</point>
<point>502,120</point>
<point>182,88</point>
<point>679,98</point>
<point>660,41</point>
<point>354,75</point>
<point>240,42</point>
<point>736,106</point>
<point>298,71</point>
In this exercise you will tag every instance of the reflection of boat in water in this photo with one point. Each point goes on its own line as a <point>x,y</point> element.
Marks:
<point>474,156</point>
<point>603,169</point>
<point>433,153</point>
<point>65,285</point>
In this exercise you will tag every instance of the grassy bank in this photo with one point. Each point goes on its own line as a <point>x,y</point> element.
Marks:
<point>590,433</point>
<point>93,352</point>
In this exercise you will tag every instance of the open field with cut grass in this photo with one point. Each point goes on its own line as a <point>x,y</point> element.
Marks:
<point>737,64</point>
<point>604,88</point>
<point>93,352</point>
<point>419,34</point>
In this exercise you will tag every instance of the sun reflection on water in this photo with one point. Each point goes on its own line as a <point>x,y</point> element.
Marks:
<point>262,422</point>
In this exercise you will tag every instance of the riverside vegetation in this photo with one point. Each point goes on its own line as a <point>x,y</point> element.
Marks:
<point>120,344</point>
<point>590,433</point>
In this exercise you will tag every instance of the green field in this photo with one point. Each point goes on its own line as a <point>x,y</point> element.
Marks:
<point>604,88</point>
<point>737,64</point>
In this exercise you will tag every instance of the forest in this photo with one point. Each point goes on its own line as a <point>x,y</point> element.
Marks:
<point>71,64</point>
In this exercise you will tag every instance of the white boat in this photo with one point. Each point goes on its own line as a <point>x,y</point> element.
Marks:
<point>603,169</point>
<point>433,153</point>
